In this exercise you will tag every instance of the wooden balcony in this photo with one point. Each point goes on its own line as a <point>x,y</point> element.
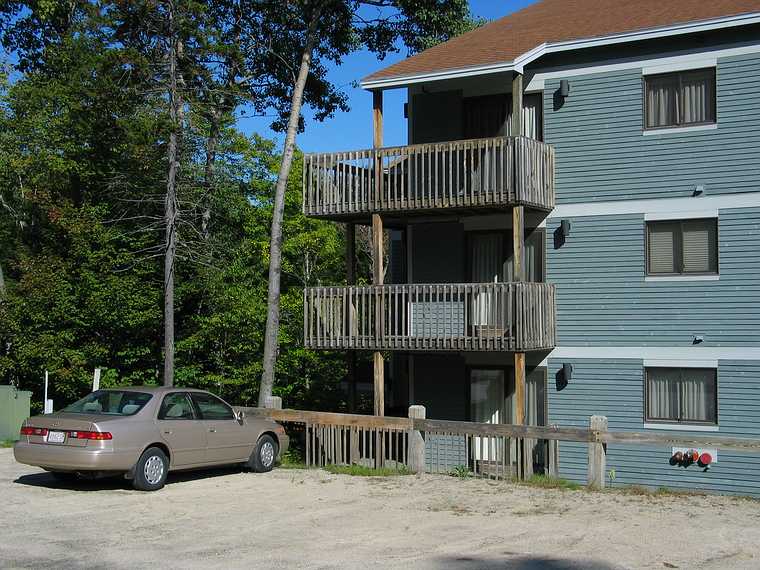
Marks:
<point>478,174</point>
<point>456,317</point>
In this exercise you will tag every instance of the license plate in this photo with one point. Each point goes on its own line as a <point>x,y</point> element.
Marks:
<point>56,437</point>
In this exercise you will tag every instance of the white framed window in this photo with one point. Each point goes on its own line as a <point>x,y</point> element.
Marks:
<point>682,247</point>
<point>687,396</point>
<point>680,99</point>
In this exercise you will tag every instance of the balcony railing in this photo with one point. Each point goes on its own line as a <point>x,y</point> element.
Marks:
<point>478,173</point>
<point>470,316</point>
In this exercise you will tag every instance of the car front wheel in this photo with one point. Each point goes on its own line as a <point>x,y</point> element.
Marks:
<point>264,454</point>
<point>151,470</point>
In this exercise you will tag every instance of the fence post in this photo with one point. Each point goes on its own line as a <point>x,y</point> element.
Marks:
<point>597,453</point>
<point>273,403</point>
<point>416,455</point>
<point>355,458</point>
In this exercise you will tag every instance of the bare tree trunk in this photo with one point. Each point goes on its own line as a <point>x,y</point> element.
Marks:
<point>2,282</point>
<point>208,175</point>
<point>176,111</point>
<point>275,248</point>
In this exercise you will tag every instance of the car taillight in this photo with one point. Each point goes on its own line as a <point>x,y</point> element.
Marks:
<point>97,435</point>
<point>29,430</point>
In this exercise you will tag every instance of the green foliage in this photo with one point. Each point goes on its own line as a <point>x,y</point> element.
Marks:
<point>83,133</point>
<point>6,443</point>
<point>363,471</point>
<point>548,482</point>
<point>461,471</point>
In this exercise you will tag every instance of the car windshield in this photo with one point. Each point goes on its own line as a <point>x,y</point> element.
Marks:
<point>110,403</point>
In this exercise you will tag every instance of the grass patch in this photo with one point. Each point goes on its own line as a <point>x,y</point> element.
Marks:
<point>362,471</point>
<point>659,492</point>
<point>292,459</point>
<point>7,443</point>
<point>461,471</point>
<point>548,482</point>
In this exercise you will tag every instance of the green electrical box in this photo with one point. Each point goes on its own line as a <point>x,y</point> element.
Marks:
<point>14,409</point>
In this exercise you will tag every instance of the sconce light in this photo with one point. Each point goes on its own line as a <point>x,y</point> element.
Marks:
<point>699,189</point>
<point>567,372</point>
<point>697,339</point>
<point>565,226</point>
<point>564,88</point>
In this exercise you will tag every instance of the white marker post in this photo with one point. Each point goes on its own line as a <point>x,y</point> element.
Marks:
<point>48,403</point>
<point>96,380</point>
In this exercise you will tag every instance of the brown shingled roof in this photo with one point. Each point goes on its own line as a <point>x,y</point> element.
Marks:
<point>503,40</point>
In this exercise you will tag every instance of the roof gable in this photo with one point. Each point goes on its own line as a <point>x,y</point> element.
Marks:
<point>550,21</point>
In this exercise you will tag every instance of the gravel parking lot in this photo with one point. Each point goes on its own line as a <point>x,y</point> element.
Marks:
<point>300,519</point>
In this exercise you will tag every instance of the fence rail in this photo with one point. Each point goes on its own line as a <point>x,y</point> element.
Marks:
<point>467,316</point>
<point>472,173</point>
<point>481,449</point>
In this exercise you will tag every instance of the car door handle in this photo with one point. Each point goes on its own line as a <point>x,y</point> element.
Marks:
<point>168,432</point>
<point>212,430</point>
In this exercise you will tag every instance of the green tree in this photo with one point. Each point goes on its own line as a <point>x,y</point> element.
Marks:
<point>328,30</point>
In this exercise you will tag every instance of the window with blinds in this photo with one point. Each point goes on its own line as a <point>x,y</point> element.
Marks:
<point>682,247</point>
<point>679,99</point>
<point>682,395</point>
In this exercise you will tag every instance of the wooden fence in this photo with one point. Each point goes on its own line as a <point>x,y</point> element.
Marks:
<point>467,316</point>
<point>473,173</point>
<point>495,451</point>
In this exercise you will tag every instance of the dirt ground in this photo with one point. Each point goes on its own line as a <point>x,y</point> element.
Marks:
<point>300,519</point>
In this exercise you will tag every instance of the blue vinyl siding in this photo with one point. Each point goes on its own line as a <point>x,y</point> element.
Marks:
<point>603,298</point>
<point>602,154</point>
<point>615,388</point>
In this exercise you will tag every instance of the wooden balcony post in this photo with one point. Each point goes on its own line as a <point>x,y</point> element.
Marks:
<point>517,105</point>
<point>350,280</point>
<point>377,253</point>
<point>377,143</point>
<point>518,241</point>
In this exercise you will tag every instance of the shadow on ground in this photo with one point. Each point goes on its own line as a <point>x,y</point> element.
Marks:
<point>519,562</point>
<point>117,482</point>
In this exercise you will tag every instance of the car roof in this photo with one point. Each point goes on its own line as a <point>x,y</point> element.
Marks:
<point>155,389</point>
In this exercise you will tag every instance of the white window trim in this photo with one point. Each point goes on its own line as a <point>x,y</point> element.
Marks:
<point>659,206</point>
<point>676,130</point>
<point>681,215</point>
<point>656,278</point>
<point>680,363</point>
<point>686,63</point>
<point>680,427</point>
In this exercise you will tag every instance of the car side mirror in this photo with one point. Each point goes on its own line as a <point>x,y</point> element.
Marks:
<point>240,415</point>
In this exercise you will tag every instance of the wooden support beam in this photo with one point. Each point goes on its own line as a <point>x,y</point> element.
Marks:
<point>518,242</point>
<point>377,251</point>
<point>377,119</point>
<point>377,279</point>
<point>519,388</point>
<point>517,105</point>
<point>523,453</point>
<point>379,383</point>
<point>351,280</point>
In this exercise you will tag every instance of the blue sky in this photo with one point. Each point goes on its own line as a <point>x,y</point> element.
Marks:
<point>353,130</point>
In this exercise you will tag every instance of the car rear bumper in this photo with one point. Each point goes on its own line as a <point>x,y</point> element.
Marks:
<point>67,458</point>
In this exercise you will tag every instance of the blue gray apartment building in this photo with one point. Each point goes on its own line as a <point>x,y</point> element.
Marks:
<point>572,230</point>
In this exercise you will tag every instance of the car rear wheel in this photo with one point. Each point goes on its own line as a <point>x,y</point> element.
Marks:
<point>151,470</point>
<point>264,454</point>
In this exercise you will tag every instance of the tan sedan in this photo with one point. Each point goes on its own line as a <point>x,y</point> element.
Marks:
<point>146,432</point>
